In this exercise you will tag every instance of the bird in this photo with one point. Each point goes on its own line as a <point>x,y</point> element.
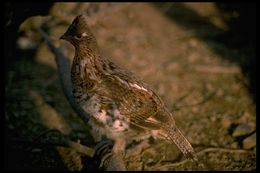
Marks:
<point>123,108</point>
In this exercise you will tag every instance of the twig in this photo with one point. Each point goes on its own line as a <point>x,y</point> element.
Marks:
<point>64,74</point>
<point>65,142</point>
<point>80,148</point>
<point>68,143</point>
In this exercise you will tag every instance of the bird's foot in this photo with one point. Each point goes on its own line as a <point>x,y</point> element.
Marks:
<point>103,151</point>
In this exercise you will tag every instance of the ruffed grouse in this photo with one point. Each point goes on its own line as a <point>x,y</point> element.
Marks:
<point>123,108</point>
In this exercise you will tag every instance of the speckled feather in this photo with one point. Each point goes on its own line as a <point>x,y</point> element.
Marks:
<point>122,106</point>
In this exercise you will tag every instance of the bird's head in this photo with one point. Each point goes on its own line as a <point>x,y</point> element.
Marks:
<point>78,32</point>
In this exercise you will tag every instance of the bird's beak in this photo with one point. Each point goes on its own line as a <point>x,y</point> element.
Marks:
<point>63,37</point>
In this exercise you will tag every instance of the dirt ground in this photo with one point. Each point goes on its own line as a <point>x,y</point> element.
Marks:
<point>187,52</point>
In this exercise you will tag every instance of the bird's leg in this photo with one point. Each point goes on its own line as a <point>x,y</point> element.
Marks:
<point>119,146</point>
<point>103,147</point>
<point>103,151</point>
<point>111,158</point>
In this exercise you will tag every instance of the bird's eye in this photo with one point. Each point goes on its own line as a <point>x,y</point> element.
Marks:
<point>78,36</point>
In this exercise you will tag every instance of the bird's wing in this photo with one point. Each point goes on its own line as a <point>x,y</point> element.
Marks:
<point>133,98</point>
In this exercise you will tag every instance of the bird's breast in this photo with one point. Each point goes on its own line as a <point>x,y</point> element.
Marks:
<point>106,118</point>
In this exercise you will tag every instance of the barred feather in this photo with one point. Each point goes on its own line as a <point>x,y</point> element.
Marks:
<point>176,136</point>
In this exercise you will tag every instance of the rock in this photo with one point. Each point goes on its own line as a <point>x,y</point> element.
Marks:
<point>242,129</point>
<point>250,141</point>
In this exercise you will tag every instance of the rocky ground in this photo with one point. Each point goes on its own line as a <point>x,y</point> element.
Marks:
<point>181,50</point>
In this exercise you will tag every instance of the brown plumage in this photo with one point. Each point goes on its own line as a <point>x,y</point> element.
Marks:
<point>123,108</point>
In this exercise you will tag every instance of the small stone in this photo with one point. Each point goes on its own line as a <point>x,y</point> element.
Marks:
<point>242,129</point>
<point>250,141</point>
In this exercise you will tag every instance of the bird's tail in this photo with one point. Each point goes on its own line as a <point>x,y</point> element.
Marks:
<point>176,136</point>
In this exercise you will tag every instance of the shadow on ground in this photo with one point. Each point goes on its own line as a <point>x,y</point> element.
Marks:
<point>29,116</point>
<point>236,44</point>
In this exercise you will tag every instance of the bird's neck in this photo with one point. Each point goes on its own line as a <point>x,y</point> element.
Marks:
<point>87,50</point>
<point>85,64</point>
